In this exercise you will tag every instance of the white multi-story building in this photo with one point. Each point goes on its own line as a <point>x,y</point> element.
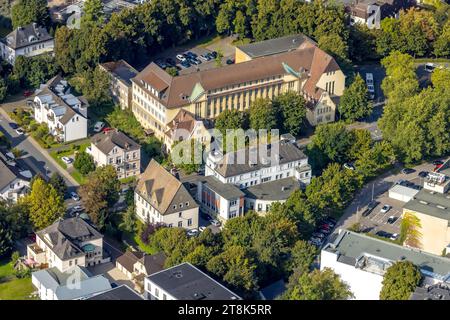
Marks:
<point>30,40</point>
<point>361,261</point>
<point>161,198</point>
<point>67,243</point>
<point>185,282</point>
<point>64,114</point>
<point>14,183</point>
<point>289,162</point>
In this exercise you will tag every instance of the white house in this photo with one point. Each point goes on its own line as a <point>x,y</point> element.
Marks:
<point>161,198</point>
<point>73,284</point>
<point>30,40</point>
<point>361,261</point>
<point>185,282</point>
<point>14,182</point>
<point>63,113</point>
<point>67,243</point>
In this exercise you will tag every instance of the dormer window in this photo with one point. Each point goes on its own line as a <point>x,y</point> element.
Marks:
<point>32,39</point>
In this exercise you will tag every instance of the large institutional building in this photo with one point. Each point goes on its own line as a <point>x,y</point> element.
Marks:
<point>264,69</point>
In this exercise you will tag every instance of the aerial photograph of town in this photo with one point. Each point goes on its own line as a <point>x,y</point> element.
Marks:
<point>256,152</point>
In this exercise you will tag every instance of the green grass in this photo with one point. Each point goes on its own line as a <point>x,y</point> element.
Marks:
<point>12,288</point>
<point>127,180</point>
<point>57,155</point>
<point>78,177</point>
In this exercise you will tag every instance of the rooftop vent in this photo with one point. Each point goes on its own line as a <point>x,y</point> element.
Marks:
<point>423,202</point>
<point>441,207</point>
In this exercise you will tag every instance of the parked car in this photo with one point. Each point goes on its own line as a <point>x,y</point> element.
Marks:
<point>215,223</point>
<point>349,166</point>
<point>13,125</point>
<point>77,208</point>
<point>423,174</point>
<point>181,57</point>
<point>107,129</point>
<point>98,126</point>
<point>394,236</point>
<point>213,54</point>
<point>185,64</point>
<point>438,162</point>
<point>67,160</point>
<point>205,57</point>
<point>408,170</point>
<point>230,61</point>
<point>384,234</point>
<point>195,61</point>
<point>170,62</point>
<point>20,131</point>
<point>385,208</point>
<point>74,196</point>
<point>331,219</point>
<point>316,242</point>
<point>370,85</point>
<point>190,54</point>
<point>392,219</point>
<point>27,93</point>
<point>202,228</point>
<point>429,67</point>
<point>319,235</point>
<point>192,232</point>
<point>372,205</point>
<point>325,230</point>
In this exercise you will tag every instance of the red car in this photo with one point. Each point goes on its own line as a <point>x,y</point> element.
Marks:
<point>107,129</point>
<point>27,93</point>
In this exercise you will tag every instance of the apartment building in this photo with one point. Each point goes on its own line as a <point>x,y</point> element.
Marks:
<point>289,162</point>
<point>120,74</point>
<point>308,70</point>
<point>30,40</point>
<point>14,182</point>
<point>162,198</point>
<point>220,200</point>
<point>185,282</point>
<point>361,261</point>
<point>67,243</point>
<point>431,206</point>
<point>64,114</point>
<point>115,148</point>
<point>186,127</point>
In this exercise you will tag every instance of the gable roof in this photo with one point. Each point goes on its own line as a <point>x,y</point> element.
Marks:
<point>6,175</point>
<point>163,191</point>
<point>308,61</point>
<point>128,259</point>
<point>22,36</point>
<point>153,263</point>
<point>106,141</point>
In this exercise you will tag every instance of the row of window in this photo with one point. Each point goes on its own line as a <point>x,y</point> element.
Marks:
<point>249,83</point>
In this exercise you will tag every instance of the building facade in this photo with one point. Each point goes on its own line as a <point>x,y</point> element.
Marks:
<point>64,114</point>
<point>30,40</point>
<point>14,183</point>
<point>117,149</point>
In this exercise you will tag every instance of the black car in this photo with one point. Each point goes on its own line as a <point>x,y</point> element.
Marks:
<point>170,61</point>
<point>13,125</point>
<point>423,174</point>
<point>384,234</point>
<point>372,205</point>
<point>185,64</point>
<point>408,170</point>
<point>230,61</point>
<point>195,61</point>
<point>214,54</point>
<point>438,162</point>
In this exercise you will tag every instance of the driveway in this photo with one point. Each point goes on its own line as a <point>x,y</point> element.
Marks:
<point>113,274</point>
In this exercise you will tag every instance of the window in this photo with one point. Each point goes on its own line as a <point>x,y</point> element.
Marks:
<point>187,204</point>
<point>149,287</point>
<point>179,214</point>
<point>233,203</point>
<point>156,292</point>
<point>180,224</point>
<point>70,263</point>
<point>164,296</point>
<point>189,222</point>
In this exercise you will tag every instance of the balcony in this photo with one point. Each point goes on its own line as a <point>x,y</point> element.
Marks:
<point>35,253</point>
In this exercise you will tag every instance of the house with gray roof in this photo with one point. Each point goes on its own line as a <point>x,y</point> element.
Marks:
<point>14,182</point>
<point>115,148</point>
<point>64,113</point>
<point>120,74</point>
<point>30,40</point>
<point>72,284</point>
<point>362,261</point>
<point>67,243</point>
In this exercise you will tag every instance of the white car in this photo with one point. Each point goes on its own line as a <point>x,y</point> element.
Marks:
<point>385,208</point>
<point>181,57</point>
<point>394,236</point>
<point>349,166</point>
<point>20,131</point>
<point>215,223</point>
<point>67,160</point>
<point>99,126</point>
<point>202,228</point>
<point>192,232</point>
<point>74,196</point>
<point>429,67</point>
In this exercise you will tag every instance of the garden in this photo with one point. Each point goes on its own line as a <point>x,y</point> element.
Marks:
<point>82,164</point>
<point>14,285</point>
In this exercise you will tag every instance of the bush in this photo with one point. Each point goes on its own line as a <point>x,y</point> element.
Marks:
<point>84,163</point>
<point>15,257</point>
<point>147,231</point>
<point>23,273</point>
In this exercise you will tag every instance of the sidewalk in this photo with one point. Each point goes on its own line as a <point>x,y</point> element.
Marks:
<point>45,154</point>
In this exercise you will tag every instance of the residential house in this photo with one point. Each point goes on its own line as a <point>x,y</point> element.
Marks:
<point>260,166</point>
<point>67,243</point>
<point>361,262</point>
<point>220,200</point>
<point>185,282</point>
<point>439,291</point>
<point>186,127</point>
<point>14,182</point>
<point>162,198</point>
<point>122,292</point>
<point>120,74</point>
<point>64,114</point>
<point>431,207</point>
<point>74,283</point>
<point>308,70</point>
<point>115,148</point>
<point>30,40</point>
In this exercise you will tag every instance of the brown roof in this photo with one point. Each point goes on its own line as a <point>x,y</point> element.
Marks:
<point>183,120</point>
<point>106,141</point>
<point>153,263</point>
<point>163,191</point>
<point>128,259</point>
<point>176,90</point>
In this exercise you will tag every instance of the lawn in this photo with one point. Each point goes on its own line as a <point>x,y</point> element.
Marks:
<point>12,288</point>
<point>81,179</point>
<point>69,151</point>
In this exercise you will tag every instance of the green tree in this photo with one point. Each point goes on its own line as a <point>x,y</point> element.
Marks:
<point>262,114</point>
<point>44,204</point>
<point>400,280</point>
<point>354,104</point>
<point>293,111</point>
<point>318,285</point>
<point>58,183</point>
<point>441,78</point>
<point>6,234</point>
<point>3,89</point>
<point>84,162</point>
<point>410,234</point>
<point>93,13</point>
<point>94,84</point>
<point>230,119</point>
<point>129,219</point>
<point>28,11</point>
<point>302,257</point>
<point>172,71</point>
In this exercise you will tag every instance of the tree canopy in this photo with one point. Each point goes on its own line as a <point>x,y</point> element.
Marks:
<point>354,103</point>
<point>400,281</point>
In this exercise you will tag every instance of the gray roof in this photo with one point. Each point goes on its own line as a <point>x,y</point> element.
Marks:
<point>186,282</point>
<point>276,190</point>
<point>274,46</point>
<point>153,263</point>
<point>225,190</point>
<point>6,175</point>
<point>106,141</point>
<point>122,292</point>
<point>274,290</point>
<point>121,70</point>
<point>227,167</point>
<point>30,34</point>
<point>427,202</point>
<point>354,245</point>
<point>61,282</point>
<point>440,291</point>
<point>66,235</point>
